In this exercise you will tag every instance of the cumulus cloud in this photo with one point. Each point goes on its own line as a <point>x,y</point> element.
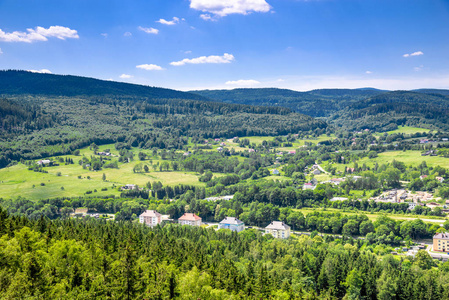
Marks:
<point>417,53</point>
<point>105,35</point>
<point>206,17</point>
<point>126,76</point>
<point>43,71</point>
<point>174,21</point>
<point>127,34</point>
<point>243,82</point>
<point>369,72</point>
<point>149,30</point>
<point>223,8</point>
<point>212,59</point>
<point>150,67</point>
<point>39,34</point>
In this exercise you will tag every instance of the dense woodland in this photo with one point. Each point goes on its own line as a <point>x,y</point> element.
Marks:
<point>351,109</point>
<point>58,122</point>
<point>95,259</point>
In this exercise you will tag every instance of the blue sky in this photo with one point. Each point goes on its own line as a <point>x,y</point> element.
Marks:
<point>199,44</point>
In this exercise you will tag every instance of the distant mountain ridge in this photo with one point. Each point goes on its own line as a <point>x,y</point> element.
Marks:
<point>351,109</point>
<point>23,82</point>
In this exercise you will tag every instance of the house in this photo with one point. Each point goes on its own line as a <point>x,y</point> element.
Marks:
<point>308,186</point>
<point>337,181</point>
<point>440,179</point>
<point>150,218</point>
<point>222,144</point>
<point>219,149</point>
<point>104,153</point>
<point>314,181</point>
<point>44,162</point>
<point>130,187</point>
<point>441,242</point>
<point>190,219</point>
<point>338,199</point>
<point>412,205</point>
<point>316,172</point>
<point>276,172</point>
<point>278,230</point>
<point>232,223</point>
<point>422,177</point>
<point>251,150</point>
<point>292,152</point>
<point>187,153</point>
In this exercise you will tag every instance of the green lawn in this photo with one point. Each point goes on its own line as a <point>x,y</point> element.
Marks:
<point>406,130</point>
<point>19,181</point>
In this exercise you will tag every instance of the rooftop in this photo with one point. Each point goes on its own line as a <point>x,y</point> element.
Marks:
<point>150,213</point>
<point>189,217</point>
<point>231,220</point>
<point>278,225</point>
<point>441,236</point>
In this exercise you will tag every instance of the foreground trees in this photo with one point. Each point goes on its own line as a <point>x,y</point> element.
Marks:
<point>92,259</point>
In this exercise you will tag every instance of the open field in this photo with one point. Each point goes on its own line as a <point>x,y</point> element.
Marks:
<point>19,181</point>
<point>408,130</point>
<point>373,216</point>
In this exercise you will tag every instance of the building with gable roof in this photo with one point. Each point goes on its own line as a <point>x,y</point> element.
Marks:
<point>278,229</point>
<point>190,219</point>
<point>232,223</point>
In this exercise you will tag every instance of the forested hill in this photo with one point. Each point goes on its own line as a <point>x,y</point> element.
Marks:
<point>23,82</point>
<point>352,109</point>
<point>44,115</point>
<point>315,103</point>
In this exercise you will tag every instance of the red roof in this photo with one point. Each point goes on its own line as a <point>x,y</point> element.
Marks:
<point>189,217</point>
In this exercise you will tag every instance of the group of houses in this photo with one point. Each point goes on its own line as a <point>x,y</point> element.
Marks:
<point>152,218</point>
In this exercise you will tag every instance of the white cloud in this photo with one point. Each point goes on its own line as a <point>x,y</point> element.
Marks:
<point>105,35</point>
<point>39,34</point>
<point>223,8</point>
<point>280,80</point>
<point>1,52</point>
<point>127,34</point>
<point>206,17</point>
<point>43,71</point>
<point>126,76</point>
<point>212,59</point>
<point>368,72</point>
<point>243,82</point>
<point>149,30</point>
<point>174,21</point>
<point>417,53</point>
<point>150,67</point>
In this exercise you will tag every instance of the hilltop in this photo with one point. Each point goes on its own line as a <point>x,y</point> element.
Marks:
<point>351,109</point>
<point>45,115</point>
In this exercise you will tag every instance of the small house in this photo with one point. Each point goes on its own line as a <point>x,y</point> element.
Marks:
<point>231,223</point>
<point>316,172</point>
<point>278,230</point>
<point>308,186</point>
<point>276,172</point>
<point>190,219</point>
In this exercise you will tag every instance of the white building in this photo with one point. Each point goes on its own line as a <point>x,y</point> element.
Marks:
<point>232,223</point>
<point>278,230</point>
<point>150,218</point>
<point>190,219</point>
